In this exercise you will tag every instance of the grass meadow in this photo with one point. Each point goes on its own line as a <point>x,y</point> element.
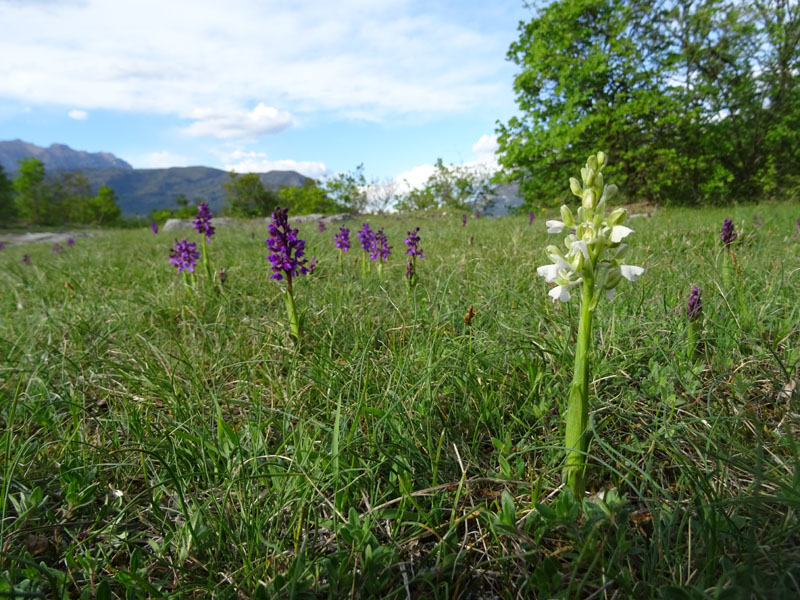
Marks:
<point>162,442</point>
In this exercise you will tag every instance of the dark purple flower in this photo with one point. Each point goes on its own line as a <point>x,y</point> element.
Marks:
<point>154,227</point>
<point>727,234</point>
<point>321,226</point>
<point>411,241</point>
<point>477,215</point>
<point>463,220</point>
<point>531,217</point>
<point>312,266</point>
<point>2,246</point>
<point>287,250</point>
<point>342,239</point>
<point>26,260</point>
<point>365,236</point>
<point>380,247</point>
<point>695,306</point>
<point>202,222</point>
<point>223,276</point>
<point>57,249</point>
<point>184,255</point>
<point>70,242</point>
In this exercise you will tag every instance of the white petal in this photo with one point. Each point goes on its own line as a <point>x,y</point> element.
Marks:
<point>560,292</point>
<point>581,247</point>
<point>549,272</point>
<point>630,272</point>
<point>554,226</point>
<point>620,231</point>
<point>610,294</point>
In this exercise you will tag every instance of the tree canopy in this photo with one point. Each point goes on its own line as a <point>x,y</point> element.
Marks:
<point>695,101</point>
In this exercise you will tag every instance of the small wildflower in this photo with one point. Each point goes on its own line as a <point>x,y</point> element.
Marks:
<point>380,247</point>
<point>531,217</point>
<point>321,226</point>
<point>287,250</point>
<point>154,227</point>
<point>477,215</point>
<point>412,242</point>
<point>26,260</point>
<point>342,239</point>
<point>758,221</point>
<point>727,234</point>
<point>70,242</point>
<point>365,236</point>
<point>796,233</point>
<point>2,246</point>
<point>695,305</point>
<point>57,249</point>
<point>463,220</point>
<point>223,276</point>
<point>202,222</point>
<point>184,255</point>
<point>312,266</point>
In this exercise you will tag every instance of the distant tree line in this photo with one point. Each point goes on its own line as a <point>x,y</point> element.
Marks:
<point>34,199</point>
<point>695,101</point>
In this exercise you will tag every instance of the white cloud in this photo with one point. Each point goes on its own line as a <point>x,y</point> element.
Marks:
<point>161,160</point>
<point>485,148</point>
<point>414,178</point>
<point>78,115</point>
<point>360,59</point>
<point>258,162</point>
<point>241,124</point>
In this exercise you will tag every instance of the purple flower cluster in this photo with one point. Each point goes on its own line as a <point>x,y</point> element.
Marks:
<point>727,234</point>
<point>57,249</point>
<point>531,217</point>
<point>154,227</point>
<point>202,222</point>
<point>342,239</point>
<point>70,242</point>
<point>184,255</point>
<point>2,246</point>
<point>26,260</point>
<point>412,242</point>
<point>695,306</point>
<point>321,226</point>
<point>380,247</point>
<point>366,236</point>
<point>287,249</point>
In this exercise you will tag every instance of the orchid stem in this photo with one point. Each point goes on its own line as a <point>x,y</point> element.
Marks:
<point>576,440</point>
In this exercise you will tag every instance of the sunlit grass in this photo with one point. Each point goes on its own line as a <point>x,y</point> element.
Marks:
<point>159,441</point>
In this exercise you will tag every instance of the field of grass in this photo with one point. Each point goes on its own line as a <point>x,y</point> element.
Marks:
<point>160,442</point>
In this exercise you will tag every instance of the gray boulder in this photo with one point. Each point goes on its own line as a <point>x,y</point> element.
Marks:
<point>178,224</point>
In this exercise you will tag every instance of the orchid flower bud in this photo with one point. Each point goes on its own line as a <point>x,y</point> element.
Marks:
<point>591,162</point>
<point>610,191</point>
<point>575,187</point>
<point>617,216</point>
<point>566,216</point>
<point>589,199</point>
<point>601,159</point>
<point>587,174</point>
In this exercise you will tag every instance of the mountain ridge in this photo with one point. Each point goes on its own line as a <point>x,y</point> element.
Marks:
<point>138,190</point>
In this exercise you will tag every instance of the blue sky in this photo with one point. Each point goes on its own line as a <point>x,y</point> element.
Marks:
<point>253,85</point>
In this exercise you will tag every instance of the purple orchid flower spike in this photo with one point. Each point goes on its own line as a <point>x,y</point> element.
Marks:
<point>70,242</point>
<point>695,305</point>
<point>287,249</point>
<point>202,222</point>
<point>184,256</point>
<point>463,220</point>
<point>531,217</point>
<point>25,260</point>
<point>154,227</point>
<point>727,234</point>
<point>321,226</point>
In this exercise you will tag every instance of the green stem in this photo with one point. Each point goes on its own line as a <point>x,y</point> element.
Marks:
<point>364,264</point>
<point>576,440</point>
<point>693,351</point>
<point>341,262</point>
<point>294,323</point>
<point>206,264</point>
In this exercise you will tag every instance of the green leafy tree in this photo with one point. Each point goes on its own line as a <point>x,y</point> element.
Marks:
<point>696,101</point>
<point>246,196</point>
<point>8,211</point>
<point>349,190</point>
<point>33,199</point>
<point>307,199</point>
<point>71,197</point>
<point>104,209</point>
